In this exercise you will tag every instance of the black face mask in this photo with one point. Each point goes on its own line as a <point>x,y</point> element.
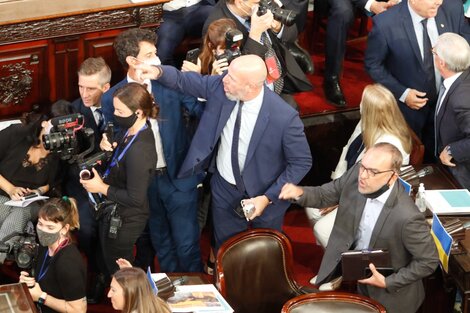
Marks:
<point>125,122</point>
<point>380,191</point>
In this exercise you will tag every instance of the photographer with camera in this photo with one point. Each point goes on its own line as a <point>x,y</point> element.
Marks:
<point>127,175</point>
<point>271,37</point>
<point>26,168</point>
<point>213,57</point>
<point>59,283</point>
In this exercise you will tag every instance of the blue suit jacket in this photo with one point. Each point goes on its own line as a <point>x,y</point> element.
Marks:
<point>79,107</point>
<point>175,136</point>
<point>393,58</point>
<point>278,151</point>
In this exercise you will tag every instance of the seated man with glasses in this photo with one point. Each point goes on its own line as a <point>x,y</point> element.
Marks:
<point>375,212</point>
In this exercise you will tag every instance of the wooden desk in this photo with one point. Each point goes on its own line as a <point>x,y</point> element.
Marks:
<point>16,298</point>
<point>439,295</point>
<point>43,42</point>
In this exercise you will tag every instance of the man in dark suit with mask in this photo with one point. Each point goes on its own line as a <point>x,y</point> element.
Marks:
<point>269,39</point>
<point>375,212</point>
<point>173,225</point>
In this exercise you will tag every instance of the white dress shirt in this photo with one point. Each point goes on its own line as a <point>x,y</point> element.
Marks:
<point>447,84</point>
<point>174,5</point>
<point>155,129</point>
<point>433,35</point>
<point>371,213</point>
<point>250,112</point>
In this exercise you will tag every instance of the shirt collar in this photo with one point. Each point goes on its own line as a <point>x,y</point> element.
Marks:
<point>147,81</point>
<point>383,197</point>
<point>254,105</point>
<point>415,17</point>
<point>450,80</point>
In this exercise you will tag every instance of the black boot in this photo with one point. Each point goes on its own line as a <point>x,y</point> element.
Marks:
<point>333,92</point>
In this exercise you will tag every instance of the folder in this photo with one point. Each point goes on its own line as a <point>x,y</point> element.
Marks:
<point>354,263</point>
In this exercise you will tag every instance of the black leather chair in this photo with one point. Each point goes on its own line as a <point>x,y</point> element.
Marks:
<point>254,271</point>
<point>332,301</point>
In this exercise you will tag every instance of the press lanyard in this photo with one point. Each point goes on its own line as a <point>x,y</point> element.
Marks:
<point>43,270</point>
<point>115,161</point>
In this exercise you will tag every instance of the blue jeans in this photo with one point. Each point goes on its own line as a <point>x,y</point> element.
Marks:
<point>174,227</point>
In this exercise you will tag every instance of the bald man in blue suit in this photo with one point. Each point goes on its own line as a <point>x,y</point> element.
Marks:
<point>272,147</point>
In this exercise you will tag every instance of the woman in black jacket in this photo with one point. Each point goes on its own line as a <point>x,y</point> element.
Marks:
<point>127,175</point>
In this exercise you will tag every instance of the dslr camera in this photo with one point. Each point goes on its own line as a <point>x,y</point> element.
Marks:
<point>64,137</point>
<point>23,251</point>
<point>233,39</point>
<point>286,17</point>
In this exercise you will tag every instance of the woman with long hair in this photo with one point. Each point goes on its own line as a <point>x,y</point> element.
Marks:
<point>213,45</point>
<point>130,292</point>
<point>26,167</point>
<point>381,121</point>
<point>59,284</point>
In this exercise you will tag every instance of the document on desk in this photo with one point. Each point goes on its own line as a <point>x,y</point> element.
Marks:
<point>448,201</point>
<point>198,299</point>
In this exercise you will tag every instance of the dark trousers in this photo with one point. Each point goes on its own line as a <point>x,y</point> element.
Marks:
<point>340,18</point>
<point>177,25</point>
<point>123,245</point>
<point>225,198</point>
<point>88,232</point>
<point>174,227</point>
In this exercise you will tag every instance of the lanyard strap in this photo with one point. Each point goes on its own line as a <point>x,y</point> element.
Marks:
<point>115,160</point>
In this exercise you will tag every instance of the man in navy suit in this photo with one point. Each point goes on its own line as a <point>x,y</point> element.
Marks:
<point>452,118</point>
<point>173,225</point>
<point>94,76</point>
<point>271,148</point>
<point>396,57</point>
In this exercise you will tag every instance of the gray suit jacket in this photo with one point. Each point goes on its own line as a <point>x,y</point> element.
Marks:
<point>400,228</point>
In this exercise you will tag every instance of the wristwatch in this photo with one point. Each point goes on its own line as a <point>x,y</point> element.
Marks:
<point>42,298</point>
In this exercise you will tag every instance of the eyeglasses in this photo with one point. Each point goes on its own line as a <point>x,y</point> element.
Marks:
<point>371,172</point>
<point>434,52</point>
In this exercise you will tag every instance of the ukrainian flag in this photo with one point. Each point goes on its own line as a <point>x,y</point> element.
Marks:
<point>151,281</point>
<point>442,240</point>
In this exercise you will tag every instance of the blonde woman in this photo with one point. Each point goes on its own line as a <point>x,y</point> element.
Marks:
<point>381,121</point>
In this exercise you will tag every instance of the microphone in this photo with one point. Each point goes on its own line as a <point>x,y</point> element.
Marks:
<point>422,172</point>
<point>94,198</point>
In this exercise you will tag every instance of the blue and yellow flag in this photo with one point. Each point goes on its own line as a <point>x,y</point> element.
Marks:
<point>442,240</point>
<point>151,281</point>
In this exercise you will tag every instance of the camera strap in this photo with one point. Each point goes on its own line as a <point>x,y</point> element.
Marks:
<point>115,160</point>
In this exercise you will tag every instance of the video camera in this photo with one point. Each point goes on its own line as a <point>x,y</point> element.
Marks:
<point>63,138</point>
<point>23,251</point>
<point>233,39</point>
<point>286,17</point>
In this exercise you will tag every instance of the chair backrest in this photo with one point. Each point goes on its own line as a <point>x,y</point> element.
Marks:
<point>332,301</point>
<point>417,149</point>
<point>254,271</point>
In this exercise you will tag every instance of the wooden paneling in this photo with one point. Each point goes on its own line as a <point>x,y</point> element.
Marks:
<point>23,77</point>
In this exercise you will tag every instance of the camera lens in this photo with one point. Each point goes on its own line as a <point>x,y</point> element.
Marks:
<point>24,257</point>
<point>85,174</point>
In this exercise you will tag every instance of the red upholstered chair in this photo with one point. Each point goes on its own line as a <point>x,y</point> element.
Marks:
<point>332,301</point>
<point>254,271</point>
<point>417,150</point>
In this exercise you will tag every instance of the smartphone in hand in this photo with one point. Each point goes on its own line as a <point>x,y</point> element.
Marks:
<point>192,55</point>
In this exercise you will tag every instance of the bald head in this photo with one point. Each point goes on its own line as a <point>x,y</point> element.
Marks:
<point>251,67</point>
<point>245,78</point>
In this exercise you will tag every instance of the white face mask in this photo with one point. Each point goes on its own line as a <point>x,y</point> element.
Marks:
<point>155,61</point>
